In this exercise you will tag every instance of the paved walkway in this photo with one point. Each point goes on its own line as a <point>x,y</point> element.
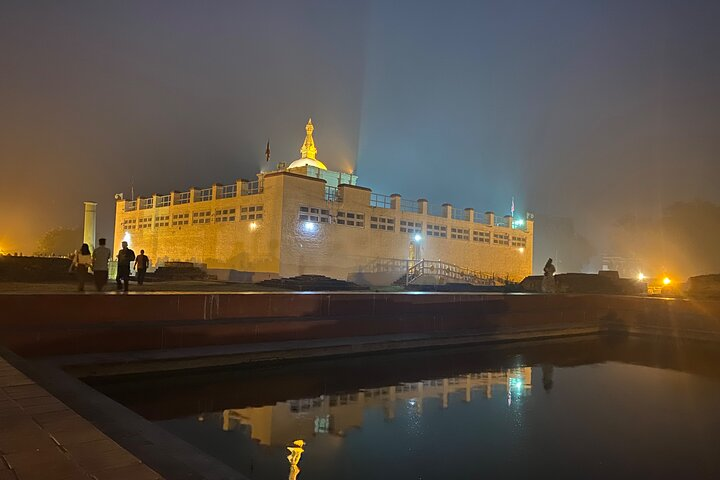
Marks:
<point>41,438</point>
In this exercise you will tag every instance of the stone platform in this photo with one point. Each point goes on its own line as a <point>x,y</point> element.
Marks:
<point>41,438</point>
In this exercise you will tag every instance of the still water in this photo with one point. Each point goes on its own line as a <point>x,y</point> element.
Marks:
<point>580,409</point>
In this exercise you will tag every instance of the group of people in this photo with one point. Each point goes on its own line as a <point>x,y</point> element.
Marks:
<point>95,265</point>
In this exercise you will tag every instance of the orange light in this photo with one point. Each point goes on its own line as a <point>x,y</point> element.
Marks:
<point>666,281</point>
<point>253,226</point>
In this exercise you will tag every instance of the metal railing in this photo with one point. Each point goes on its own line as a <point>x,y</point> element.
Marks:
<point>436,211</point>
<point>438,268</point>
<point>182,197</point>
<point>458,214</point>
<point>146,203</point>
<point>251,188</point>
<point>500,222</point>
<point>130,205</point>
<point>379,200</point>
<point>479,218</point>
<point>332,194</point>
<point>204,195</point>
<point>163,201</point>
<point>414,269</point>
<point>226,191</point>
<point>411,206</point>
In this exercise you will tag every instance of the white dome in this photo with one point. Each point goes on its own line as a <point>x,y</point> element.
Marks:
<point>307,162</point>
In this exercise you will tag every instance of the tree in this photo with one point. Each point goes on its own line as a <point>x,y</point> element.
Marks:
<point>60,241</point>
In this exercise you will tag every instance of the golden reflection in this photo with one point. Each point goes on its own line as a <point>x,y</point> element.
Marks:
<point>296,451</point>
<point>335,415</point>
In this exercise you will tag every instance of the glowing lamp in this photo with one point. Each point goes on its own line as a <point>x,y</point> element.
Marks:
<point>641,276</point>
<point>253,226</point>
<point>521,249</point>
<point>666,281</point>
<point>309,227</point>
<point>417,237</point>
<point>127,238</point>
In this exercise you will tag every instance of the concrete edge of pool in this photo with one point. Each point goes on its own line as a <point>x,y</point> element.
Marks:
<point>164,453</point>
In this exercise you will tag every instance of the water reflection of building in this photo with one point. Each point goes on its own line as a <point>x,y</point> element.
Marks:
<point>279,424</point>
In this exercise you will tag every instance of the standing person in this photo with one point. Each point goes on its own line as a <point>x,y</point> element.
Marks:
<point>548,282</point>
<point>125,257</point>
<point>142,262</point>
<point>82,262</point>
<point>100,256</point>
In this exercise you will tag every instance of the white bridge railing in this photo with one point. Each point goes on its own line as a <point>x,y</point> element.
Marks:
<point>415,269</point>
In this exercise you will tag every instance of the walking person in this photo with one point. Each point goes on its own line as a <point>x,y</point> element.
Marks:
<point>142,262</point>
<point>548,281</point>
<point>100,257</point>
<point>81,264</point>
<point>124,257</point>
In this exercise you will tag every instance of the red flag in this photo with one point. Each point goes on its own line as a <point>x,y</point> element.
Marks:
<point>267,151</point>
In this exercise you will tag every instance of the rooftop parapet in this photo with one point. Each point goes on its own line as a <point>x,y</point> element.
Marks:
<point>333,194</point>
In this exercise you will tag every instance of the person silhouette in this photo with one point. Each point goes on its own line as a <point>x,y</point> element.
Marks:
<point>548,282</point>
<point>125,257</point>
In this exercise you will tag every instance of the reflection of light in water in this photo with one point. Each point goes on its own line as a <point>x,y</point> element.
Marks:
<point>336,414</point>
<point>517,384</point>
<point>296,451</point>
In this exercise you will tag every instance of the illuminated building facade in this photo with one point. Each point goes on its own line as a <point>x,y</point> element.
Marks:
<point>306,219</point>
<point>279,424</point>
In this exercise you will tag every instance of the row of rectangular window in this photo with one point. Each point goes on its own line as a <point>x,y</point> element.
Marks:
<point>201,217</point>
<point>481,236</point>
<point>225,215</point>
<point>382,223</point>
<point>460,233</point>
<point>501,239</point>
<point>221,216</point>
<point>519,241</point>
<point>436,230</point>
<point>162,221</point>
<point>314,214</point>
<point>350,219</point>
<point>410,227</point>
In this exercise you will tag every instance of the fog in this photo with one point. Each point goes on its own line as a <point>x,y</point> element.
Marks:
<point>582,111</point>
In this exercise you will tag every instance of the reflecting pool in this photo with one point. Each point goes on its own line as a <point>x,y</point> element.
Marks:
<point>574,409</point>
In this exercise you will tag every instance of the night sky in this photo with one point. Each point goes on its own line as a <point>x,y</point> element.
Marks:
<point>580,109</point>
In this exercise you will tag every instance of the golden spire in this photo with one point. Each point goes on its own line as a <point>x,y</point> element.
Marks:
<point>308,149</point>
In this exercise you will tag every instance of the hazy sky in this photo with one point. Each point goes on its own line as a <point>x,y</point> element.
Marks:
<point>587,109</point>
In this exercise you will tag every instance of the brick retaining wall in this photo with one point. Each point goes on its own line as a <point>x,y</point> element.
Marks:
<point>55,324</point>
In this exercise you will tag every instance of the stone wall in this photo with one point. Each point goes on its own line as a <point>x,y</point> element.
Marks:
<point>34,269</point>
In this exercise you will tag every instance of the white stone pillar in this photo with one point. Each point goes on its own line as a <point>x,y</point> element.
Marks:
<point>89,227</point>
